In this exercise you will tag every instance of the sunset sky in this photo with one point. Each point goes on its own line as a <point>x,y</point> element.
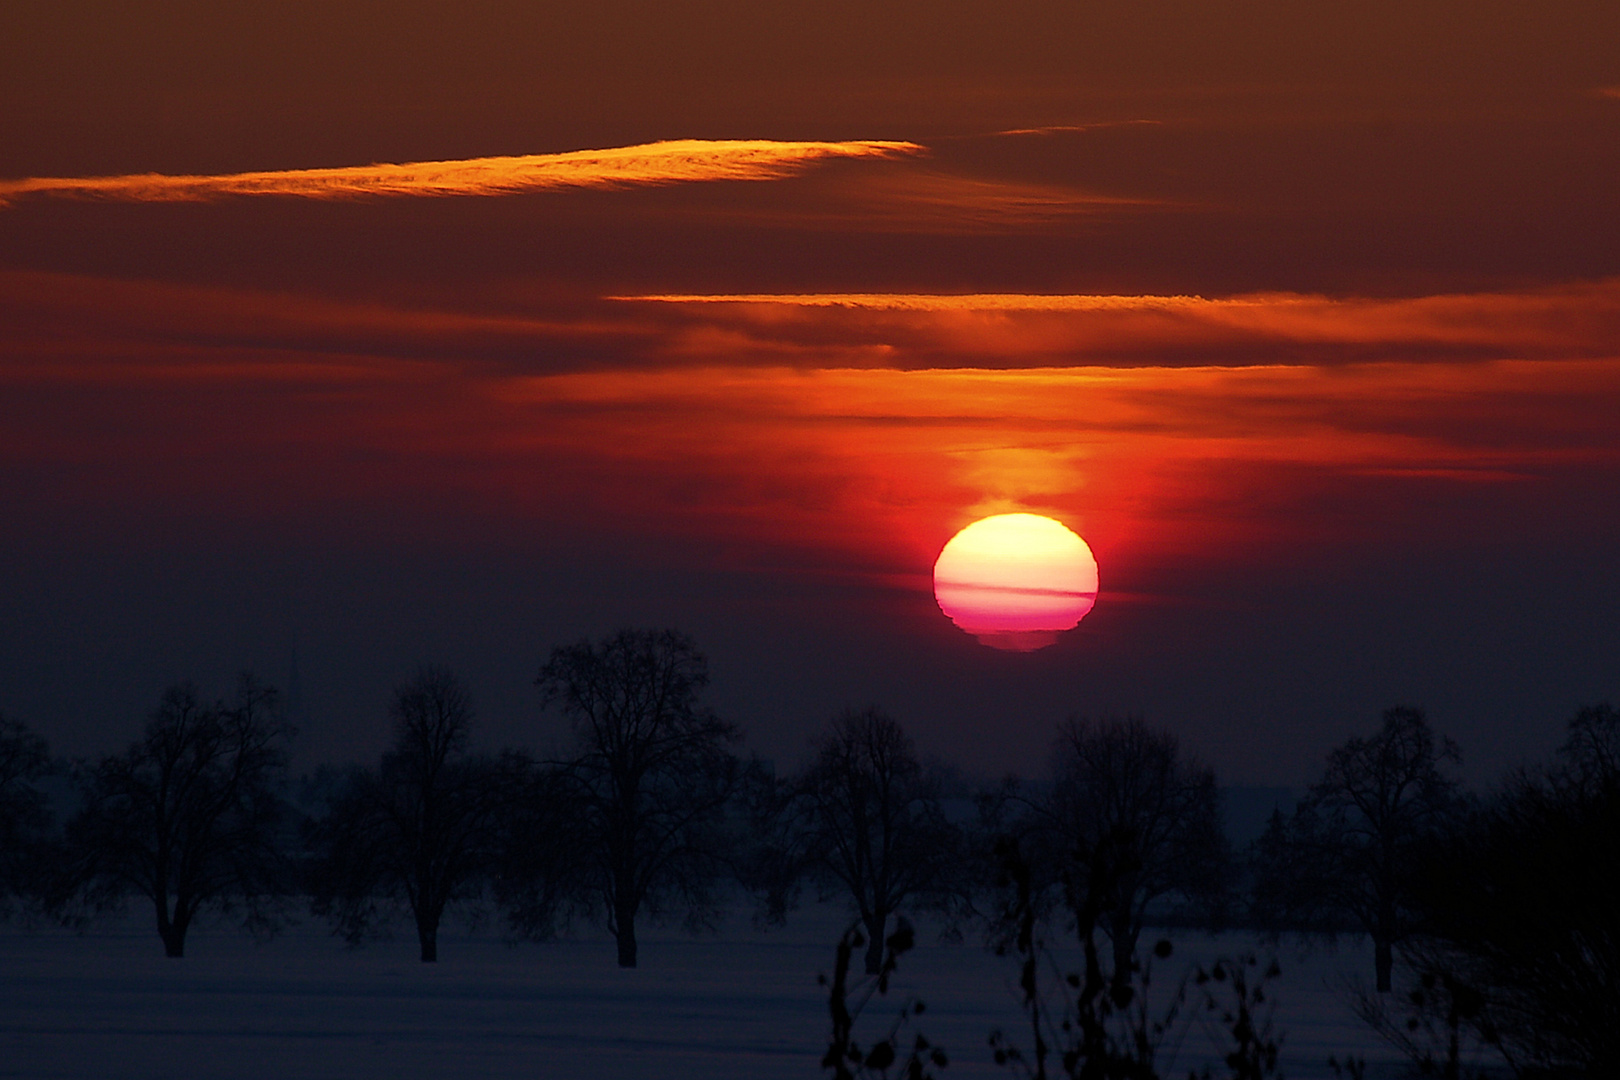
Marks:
<point>393,332</point>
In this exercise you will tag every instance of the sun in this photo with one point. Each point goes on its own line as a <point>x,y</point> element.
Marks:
<point>1016,581</point>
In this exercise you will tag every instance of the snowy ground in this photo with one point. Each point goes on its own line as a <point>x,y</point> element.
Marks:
<point>107,1004</point>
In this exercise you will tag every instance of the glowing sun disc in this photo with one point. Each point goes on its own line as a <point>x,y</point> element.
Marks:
<point>1016,581</point>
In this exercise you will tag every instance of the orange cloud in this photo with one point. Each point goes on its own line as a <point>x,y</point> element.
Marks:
<point>52,325</point>
<point>193,401</point>
<point>946,302</point>
<point>1002,330</point>
<point>670,162</point>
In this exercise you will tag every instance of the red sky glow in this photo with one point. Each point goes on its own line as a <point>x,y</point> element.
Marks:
<point>1309,324</point>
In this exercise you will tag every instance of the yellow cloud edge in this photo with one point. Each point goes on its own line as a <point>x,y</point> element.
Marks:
<point>666,162</point>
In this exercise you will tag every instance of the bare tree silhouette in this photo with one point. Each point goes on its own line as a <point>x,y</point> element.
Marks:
<point>188,816</point>
<point>1590,756</point>
<point>651,777</point>
<point>864,821</point>
<point>1129,821</point>
<point>418,828</point>
<point>1350,850</point>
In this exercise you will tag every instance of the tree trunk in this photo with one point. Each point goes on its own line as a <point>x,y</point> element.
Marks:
<point>172,931</point>
<point>429,912</point>
<point>1383,961</point>
<point>627,944</point>
<point>1386,928</point>
<point>1123,939</point>
<point>874,942</point>
<point>624,930</point>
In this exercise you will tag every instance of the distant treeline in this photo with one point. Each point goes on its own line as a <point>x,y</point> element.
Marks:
<point>1497,913</point>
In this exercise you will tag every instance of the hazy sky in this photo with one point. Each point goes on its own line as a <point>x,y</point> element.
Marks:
<point>727,315</point>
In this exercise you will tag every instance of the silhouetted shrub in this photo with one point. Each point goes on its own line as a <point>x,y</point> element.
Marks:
<point>845,1056</point>
<point>1095,1026</point>
<point>541,870</point>
<point>1435,1024</point>
<point>24,815</point>
<point>1238,1012</point>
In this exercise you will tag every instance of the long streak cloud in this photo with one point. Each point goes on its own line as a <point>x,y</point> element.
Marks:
<point>669,162</point>
<point>1577,319</point>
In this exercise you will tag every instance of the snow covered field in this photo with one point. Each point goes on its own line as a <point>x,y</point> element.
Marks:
<point>107,1004</point>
